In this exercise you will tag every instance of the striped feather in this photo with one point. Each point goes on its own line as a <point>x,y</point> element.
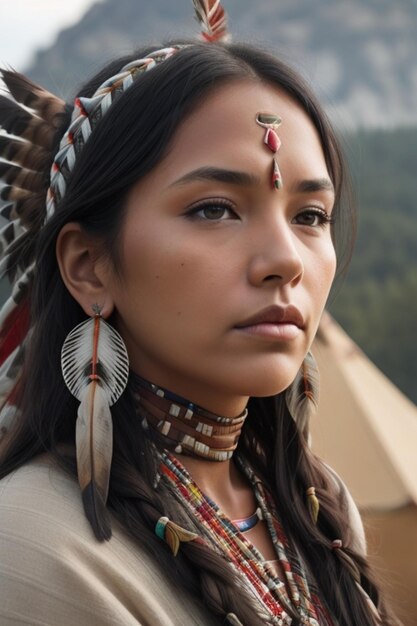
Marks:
<point>21,177</point>
<point>31,95</point>
<point>212,19</point>
<point>13,118</point>
<point>23,153</point>
<point>22,123</point>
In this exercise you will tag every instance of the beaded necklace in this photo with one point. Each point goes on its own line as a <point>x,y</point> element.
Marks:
<point>182,427</point>
<point>300,601</point>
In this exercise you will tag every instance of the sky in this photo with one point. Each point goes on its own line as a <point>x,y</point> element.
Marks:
<point>27,25</point>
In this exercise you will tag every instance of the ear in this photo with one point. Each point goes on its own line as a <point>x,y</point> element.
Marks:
<point>83,271</point>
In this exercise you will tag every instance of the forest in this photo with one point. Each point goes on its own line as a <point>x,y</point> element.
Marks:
<point>376,300</point>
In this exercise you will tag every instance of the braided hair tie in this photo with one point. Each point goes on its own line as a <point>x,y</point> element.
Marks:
<point>173,534</point>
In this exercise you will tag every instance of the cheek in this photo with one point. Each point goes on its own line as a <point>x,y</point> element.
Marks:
<point>328,264</point>
<point>166,277</point>
<point>321,272</point>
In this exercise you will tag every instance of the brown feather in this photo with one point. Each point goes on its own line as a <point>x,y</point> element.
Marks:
<point>31,95</point>
<point>19,122</point>
<point>24,153</point>
<point>40,133</point>
<point>94,444</point>
<point>32,210</point>
<point>20,254</point>
<point>13,117</point>
<point>21,177</point>
<point>14,193</point>
<point>22,89</point>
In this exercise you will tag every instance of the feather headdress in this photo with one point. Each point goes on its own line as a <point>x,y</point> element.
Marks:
<point>29,118</point>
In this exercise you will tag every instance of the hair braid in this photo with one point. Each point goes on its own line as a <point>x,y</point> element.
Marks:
<point>295,470</point>
<point>334,521</point>
<point>138,506</point>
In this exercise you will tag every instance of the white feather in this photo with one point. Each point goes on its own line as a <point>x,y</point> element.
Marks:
<point>112,360</point>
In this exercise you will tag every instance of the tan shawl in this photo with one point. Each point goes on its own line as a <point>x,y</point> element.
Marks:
<point>54,573</point>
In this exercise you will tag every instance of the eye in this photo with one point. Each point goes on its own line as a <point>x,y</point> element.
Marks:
<point>313,216</point>
<point>213,210</point>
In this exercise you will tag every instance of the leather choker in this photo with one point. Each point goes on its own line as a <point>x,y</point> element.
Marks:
<point>184,427</point>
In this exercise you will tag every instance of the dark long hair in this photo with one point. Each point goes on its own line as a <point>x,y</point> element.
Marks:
<point>130,140</point>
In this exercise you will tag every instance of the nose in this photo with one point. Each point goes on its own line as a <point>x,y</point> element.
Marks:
<point>276,256</point>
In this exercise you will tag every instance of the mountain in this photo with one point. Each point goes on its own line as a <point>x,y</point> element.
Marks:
<point>359,55</point>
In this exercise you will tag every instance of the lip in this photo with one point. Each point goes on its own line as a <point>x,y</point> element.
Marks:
<point>275,315</point>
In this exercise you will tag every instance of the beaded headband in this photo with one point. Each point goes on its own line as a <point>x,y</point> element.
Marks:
<point>31,117</point>
<point>87,114</point>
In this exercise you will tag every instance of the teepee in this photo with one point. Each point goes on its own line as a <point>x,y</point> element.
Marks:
<point>367,430</point>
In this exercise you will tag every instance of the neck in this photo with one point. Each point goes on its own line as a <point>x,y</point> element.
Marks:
<point>223,483</point>
<point>184,427</point>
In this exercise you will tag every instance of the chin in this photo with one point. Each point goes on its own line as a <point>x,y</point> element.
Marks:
<point>266,382</point>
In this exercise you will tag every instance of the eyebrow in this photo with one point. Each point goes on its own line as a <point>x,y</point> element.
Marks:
<point>244,179</point>
<point>316,184</point>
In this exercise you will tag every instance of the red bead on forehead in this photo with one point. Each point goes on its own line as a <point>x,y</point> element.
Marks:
<point>272,140</point>
<point>271,122</point>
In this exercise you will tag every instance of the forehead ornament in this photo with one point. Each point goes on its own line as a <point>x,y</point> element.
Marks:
<point>271,122</point>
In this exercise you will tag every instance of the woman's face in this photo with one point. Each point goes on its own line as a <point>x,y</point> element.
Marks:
<point>208,245</point>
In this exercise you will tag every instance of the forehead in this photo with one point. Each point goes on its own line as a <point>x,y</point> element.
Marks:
<point>222,131</point>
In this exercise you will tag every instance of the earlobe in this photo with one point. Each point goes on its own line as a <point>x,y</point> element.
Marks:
<point>81,269</point>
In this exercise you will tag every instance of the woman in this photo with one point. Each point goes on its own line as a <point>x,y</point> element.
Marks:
<point>181,212</point>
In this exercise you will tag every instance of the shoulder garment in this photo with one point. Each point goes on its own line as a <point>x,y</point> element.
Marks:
<point>53,572</point>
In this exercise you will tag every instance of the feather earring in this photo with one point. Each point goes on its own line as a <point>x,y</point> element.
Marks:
<point>302,395</point>
<point>95,367</point>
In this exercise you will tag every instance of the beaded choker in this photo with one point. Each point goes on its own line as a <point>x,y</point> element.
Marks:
<point>184,427</point>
